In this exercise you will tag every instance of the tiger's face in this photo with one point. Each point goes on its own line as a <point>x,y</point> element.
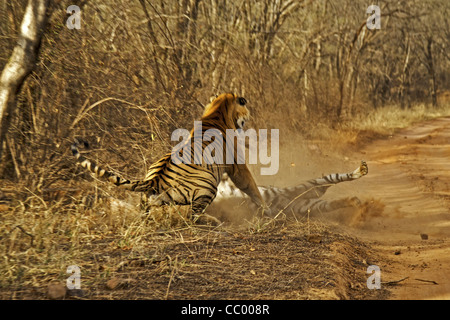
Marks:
<point>232,106</point>
<point>242,114</point>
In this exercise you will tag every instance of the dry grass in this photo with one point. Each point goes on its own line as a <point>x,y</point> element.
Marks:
<point>40,240</point>
<point>378,123</point>
<point>125,255</point>
<point>386,119</point>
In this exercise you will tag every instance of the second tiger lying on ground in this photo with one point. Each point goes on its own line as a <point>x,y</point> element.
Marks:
<point>300,199</point>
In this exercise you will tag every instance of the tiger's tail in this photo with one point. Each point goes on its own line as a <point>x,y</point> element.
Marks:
<point>132,185</point>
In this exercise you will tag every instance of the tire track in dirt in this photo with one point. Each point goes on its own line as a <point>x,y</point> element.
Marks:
<point>409,173</point>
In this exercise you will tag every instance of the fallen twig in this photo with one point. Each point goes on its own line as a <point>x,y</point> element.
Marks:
<point>25,232</point>
<point>430,281</point>
<point>394,281</point>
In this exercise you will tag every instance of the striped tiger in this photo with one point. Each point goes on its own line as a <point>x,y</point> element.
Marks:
<point>167,182</point>
<point>301,199</point>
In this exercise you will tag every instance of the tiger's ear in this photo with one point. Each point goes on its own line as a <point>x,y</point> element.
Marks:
<point>210,105</point>
<point>241,101</point>
<point>211,99</point>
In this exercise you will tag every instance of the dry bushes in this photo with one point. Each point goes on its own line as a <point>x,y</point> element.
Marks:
<point>137,70</point>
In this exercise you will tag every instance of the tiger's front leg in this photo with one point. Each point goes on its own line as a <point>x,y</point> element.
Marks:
<point>243,179</point>
<point>199,206</point>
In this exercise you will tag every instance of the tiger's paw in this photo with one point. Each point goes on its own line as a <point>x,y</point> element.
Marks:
<point>354,202</point>
<point>205,219</point>
<point>362,170</point>
<point>266,211</point>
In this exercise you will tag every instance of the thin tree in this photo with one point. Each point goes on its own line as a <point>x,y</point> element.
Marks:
<point>22,60</point>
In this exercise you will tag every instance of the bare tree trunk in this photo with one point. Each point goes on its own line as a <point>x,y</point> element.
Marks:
<point>22,61</point>
<point>431,71</point>
<point>404,84</point>
<point>345,107</point>
<point>349,72</point>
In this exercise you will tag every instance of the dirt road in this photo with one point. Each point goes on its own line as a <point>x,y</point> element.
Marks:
<point>409,173</point>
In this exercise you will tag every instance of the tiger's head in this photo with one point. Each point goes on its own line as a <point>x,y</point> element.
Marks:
<point>229,108</point>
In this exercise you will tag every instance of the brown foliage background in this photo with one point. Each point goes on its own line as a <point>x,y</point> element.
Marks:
<point>136,70</point>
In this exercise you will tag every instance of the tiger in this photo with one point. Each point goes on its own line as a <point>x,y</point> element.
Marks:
<point>301,199</point>
<point>195,185</point>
